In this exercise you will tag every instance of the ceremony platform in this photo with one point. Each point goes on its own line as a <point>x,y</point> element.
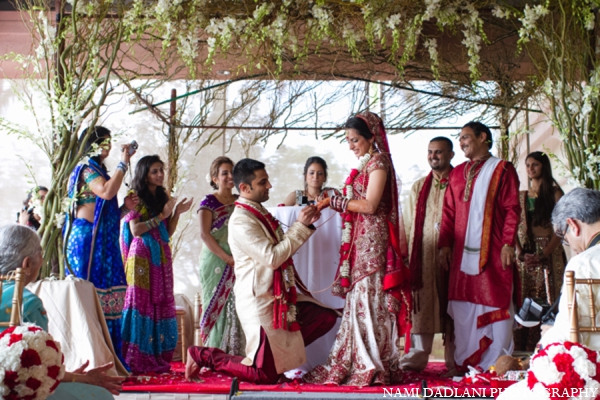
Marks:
<point>173,386</point>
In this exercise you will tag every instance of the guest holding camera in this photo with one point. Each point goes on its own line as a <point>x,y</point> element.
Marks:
<point>219,326</point>
<point>149,326</point>
<point>91,234</point>
<point>541,258</point>
<point>29,215</point>
<point>315,175</point>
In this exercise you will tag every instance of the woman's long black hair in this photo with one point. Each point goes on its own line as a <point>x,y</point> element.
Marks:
<point>99,134</point>
<point>155,203</point>
<point>545,202</point>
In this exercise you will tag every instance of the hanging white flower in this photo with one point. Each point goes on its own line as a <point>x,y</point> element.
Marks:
<point>59,220</point>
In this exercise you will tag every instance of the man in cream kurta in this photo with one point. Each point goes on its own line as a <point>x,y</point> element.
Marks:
<point>270,351</point>
<point>431,297</point>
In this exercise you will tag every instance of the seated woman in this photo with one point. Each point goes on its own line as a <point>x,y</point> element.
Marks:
<point>315,175</point>
<point>20,248</point>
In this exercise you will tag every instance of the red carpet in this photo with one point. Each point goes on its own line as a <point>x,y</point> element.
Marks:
<point>174,382</point>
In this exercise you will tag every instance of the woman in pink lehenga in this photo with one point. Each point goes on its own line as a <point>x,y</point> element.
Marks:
<point>372,275</point>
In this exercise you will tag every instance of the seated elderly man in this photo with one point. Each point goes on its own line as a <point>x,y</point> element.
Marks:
<point>20,248</point>
<point>576,218</point>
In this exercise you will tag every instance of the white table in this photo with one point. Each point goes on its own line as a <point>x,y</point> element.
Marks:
<point>316,262</point>
<point>76,321</point>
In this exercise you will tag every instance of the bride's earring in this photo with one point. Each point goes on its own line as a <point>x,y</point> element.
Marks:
<point>371,150</point>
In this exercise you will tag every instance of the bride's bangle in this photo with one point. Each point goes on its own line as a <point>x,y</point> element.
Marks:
<point>339,203</point>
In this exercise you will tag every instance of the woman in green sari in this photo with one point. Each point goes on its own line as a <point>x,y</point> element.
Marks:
<point>219,325</point>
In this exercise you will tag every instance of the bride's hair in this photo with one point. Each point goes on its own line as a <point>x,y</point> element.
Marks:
<point>360,125</point>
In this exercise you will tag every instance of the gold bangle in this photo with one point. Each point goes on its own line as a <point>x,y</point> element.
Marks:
<point>509,246</point>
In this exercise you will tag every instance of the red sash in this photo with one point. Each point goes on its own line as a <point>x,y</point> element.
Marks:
<point>283,297</point>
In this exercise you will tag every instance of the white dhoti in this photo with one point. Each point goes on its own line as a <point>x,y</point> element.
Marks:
<point>480,346</point>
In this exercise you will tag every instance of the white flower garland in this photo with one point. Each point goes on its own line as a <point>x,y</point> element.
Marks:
<point>347,231</point>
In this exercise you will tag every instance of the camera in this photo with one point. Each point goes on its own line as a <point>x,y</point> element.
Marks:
<point>133,146</point>
<point>302,200</point>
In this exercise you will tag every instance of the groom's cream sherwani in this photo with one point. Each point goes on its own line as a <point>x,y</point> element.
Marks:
<point>256,257</point>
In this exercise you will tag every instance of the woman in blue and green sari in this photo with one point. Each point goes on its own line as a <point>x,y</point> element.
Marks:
<point>219,326</point>
<point>91,233</point>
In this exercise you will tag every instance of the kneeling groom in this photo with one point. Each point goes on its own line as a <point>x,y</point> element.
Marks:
<point>278,323</point>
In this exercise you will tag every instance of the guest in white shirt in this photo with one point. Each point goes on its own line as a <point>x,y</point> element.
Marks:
<point>576,218</point>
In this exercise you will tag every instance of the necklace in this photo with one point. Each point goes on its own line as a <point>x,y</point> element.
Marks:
<point>224,200</point>
<point>470,172</point>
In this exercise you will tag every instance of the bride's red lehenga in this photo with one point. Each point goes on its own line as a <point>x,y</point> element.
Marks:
<point>378,304</point>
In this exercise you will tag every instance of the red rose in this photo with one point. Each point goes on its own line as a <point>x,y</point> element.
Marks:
<point>345,282</point>
<point>34,328</point>
<point>33,383</point>
<point>7,331</point>
<point>53,371</point>
<point>346,247</point>
<point>564,362</point>
<point>15,338</point>
<point>51,343</point>
<point>11,379</point>
<point>30,358</point>
<point>531,380</point>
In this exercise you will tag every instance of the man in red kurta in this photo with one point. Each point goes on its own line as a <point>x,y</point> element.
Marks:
<point>477,234</point>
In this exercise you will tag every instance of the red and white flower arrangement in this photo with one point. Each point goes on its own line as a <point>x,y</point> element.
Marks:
<point>564,370</point>
<point>347,220</point>
<point>31,363</point>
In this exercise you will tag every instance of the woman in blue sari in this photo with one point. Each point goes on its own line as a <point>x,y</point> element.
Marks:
<point>91,233</point>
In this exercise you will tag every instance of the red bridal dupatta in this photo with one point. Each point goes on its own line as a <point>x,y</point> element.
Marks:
<point>396,281</point>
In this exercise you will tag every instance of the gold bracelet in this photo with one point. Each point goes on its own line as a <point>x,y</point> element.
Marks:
<point>509,246</point>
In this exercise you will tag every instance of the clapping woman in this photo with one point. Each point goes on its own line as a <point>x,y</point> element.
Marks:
<point>149,327</point>
<point>219,325</point>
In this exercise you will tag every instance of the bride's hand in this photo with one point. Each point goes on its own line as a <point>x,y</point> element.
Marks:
<point>322,204</point>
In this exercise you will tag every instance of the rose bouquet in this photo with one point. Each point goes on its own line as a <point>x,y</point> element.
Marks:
<point>564,370</point>
<point>31,363</point>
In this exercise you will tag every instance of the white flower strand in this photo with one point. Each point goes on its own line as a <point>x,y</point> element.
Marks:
<point>347,231</point>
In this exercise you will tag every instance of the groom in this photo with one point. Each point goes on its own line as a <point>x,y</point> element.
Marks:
<point>278,323</point>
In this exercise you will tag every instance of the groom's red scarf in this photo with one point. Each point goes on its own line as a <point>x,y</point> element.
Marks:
<point>283,296</point>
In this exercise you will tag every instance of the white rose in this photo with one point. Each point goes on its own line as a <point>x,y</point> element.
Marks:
<point>545,371</point>
<point>585,368</point>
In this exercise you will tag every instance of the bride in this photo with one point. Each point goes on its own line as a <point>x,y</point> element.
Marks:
<point>372,275</point>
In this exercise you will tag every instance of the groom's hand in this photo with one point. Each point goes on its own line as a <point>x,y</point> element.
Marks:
<point>308,215</point>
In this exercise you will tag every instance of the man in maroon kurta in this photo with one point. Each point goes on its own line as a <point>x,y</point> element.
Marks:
<point>477,234</point>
